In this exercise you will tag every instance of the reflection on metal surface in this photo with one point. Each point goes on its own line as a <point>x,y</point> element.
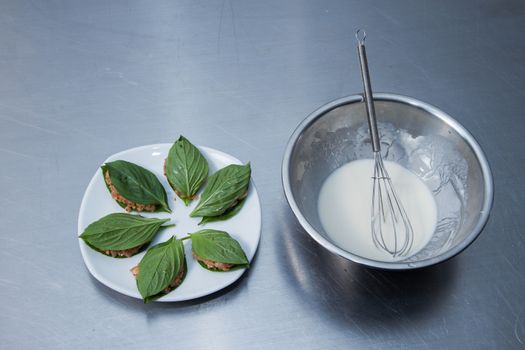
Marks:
<point>356,298</point>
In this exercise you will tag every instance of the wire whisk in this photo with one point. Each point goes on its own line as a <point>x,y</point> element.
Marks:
<point>390,224</point>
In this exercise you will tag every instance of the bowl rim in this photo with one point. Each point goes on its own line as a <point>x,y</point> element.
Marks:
<point>434,111</point>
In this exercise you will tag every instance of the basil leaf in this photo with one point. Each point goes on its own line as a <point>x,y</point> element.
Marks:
<point>224,189</point>
<point>186,169</point>
<point>218,246</point>
<point>121,231</point>
<point>228,214</point>
<point>159,267</point>
<point>136,184</point>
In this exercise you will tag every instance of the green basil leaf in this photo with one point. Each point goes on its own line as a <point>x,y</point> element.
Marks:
<point>218,246</point>
<point>186,169</point>
<point>159,267</point>
<point>121,231</point>
<point>224,189</point>
<point>228,214</point>
<point>137,184</point>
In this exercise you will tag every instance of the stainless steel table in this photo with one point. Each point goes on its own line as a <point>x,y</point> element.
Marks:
<point>82,80</point>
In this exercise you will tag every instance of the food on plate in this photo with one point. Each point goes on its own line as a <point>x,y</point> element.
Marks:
<point>161,270</point>
<point>217,250</point>
<point>121,235</point>
<point>134,187</point>
<point>186,169</point>
<point>225,190</point>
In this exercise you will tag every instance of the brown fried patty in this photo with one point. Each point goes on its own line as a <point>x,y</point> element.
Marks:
<point>129,204</point>
<point>213,264</point>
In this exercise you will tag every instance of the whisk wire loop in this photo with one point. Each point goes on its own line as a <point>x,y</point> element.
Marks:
<point>389,217</point>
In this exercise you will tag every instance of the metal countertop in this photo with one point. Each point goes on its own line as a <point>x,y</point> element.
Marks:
<point>82,80</point>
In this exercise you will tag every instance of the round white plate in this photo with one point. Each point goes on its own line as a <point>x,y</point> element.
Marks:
<point>245,227</point>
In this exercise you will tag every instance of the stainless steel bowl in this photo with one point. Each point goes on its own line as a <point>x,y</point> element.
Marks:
<point>415,134</point>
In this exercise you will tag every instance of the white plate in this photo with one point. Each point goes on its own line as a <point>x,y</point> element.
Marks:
<point>245,227</point>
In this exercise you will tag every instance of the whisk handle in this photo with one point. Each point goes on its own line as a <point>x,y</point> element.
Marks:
<point>369,99</point>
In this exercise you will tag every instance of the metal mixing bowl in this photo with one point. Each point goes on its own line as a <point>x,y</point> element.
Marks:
<point>414,134</point>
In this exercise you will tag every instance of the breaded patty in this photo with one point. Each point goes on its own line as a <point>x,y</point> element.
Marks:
<point>129,204</point>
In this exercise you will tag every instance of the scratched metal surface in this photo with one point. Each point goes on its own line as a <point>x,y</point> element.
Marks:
<point>82,80</point>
